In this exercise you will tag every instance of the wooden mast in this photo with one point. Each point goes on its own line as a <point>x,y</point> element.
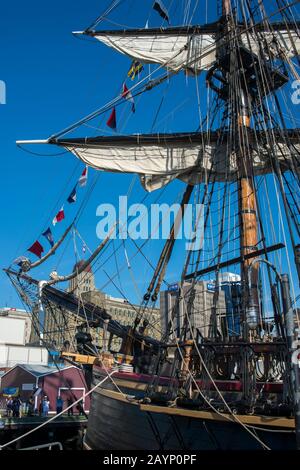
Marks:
<point>248,220</point>
<point>226,8</point>
<point>246,198</point>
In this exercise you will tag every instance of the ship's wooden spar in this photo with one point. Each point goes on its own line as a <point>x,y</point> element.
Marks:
<point>91,312</point>
<point>56,278</point>
<point>160,158</point>
<point>27,265</point>
<point>167,250</point>
<point>225,264</point>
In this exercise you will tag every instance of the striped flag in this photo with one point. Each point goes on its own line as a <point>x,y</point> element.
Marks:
<point>161,9</point>
<point>135,69</point>
<point>59,216</point>
<point>83,178</point>
<point>127,95</point>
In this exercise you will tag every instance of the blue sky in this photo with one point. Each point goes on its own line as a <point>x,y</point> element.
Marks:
<point>54,79</point>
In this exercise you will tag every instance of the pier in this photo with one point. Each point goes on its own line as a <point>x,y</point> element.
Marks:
<point>68,430</point>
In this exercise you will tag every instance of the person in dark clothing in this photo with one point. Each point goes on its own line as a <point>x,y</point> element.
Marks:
<point>30,407</point>
<point>84,340</point>
<point>16,407</point>
<point>70,402</point>
<point>59,404</point>
<point>80,409</point>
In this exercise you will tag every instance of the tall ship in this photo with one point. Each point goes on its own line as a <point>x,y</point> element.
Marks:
<point>223,372</point>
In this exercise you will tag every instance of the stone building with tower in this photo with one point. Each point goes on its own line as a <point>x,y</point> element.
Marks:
<point>83,282</point>
<point>60,326</point>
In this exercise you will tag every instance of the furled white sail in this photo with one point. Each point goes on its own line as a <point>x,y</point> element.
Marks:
<point>195,48</point>
<point>274,43</point>
<point>176,52</point>
<point>159,159</point>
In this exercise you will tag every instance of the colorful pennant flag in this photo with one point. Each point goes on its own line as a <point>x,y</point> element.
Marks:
<point>135,69</point>
<point>36,249</point>
<point>49,236</point>
<point>73,196</point>
<point>127,95</point>
<point>112,120</point>
<point>83,178</point>
<point>161,9</point>
<point>59,216</point>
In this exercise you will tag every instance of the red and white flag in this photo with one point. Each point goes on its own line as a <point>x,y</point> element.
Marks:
<point>127,95</point>
<point>83,178</point>
<point>59,216</point>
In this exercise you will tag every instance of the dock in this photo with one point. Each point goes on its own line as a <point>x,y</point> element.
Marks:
<point>69,430</point>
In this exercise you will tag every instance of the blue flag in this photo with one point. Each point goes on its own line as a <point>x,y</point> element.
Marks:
<point>49,236</point>
<point>72,197</point>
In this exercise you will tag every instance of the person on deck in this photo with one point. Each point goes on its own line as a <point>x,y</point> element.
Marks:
<point>59,404</point>
<point>80,409</point>
<point>45,406</point>
<point>9,406</point>
<point>70,411</point>
<point>16,404</point>
<point>30,407</point>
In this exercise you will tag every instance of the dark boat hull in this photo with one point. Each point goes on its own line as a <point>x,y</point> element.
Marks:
<point>116,423</point>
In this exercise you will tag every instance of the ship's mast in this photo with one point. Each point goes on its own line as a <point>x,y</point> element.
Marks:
<point>226,8</point>
<point>246,191</point>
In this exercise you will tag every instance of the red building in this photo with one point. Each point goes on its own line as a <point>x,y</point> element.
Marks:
<point>39,381</point>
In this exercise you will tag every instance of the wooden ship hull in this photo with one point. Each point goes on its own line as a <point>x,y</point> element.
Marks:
<point>118,420</point>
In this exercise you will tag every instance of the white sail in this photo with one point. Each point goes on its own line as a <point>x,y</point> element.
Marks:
<point>275,42</point>
<point>159,159</point>
<point>175,52</point>
<point>194,48</point>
